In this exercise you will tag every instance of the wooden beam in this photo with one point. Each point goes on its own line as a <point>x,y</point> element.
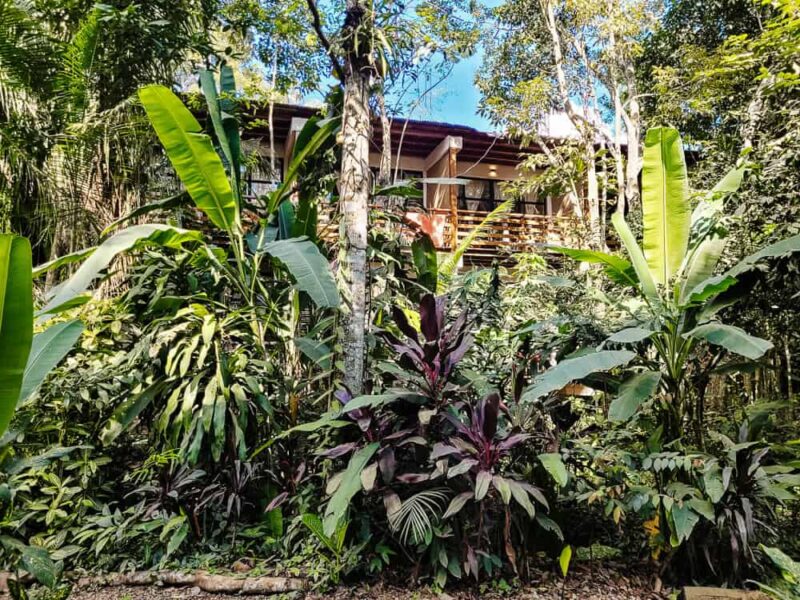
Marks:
<point>453,172</point>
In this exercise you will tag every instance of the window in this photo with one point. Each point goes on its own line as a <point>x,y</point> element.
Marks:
<point>478,194</point>
<point>484,195</point>
<point>259,181</point>
<point>413,178</point>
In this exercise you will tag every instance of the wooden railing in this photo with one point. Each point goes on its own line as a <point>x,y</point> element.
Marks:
<point>507,234</point>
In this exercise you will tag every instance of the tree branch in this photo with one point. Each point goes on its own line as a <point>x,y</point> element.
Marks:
<point>323,39</point>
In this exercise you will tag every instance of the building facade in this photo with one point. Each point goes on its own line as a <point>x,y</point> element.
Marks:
<point>463,174</point>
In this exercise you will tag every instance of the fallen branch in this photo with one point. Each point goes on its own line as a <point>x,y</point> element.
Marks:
<point>216,584</point>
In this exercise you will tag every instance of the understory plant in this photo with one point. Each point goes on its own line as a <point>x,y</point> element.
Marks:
<point>673,342</point>
<point>438,456</point>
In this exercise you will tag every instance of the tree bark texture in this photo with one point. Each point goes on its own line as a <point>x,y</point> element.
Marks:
<point>354,197</point>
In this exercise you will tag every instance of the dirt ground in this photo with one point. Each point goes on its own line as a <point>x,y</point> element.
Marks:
<point>583,584</point>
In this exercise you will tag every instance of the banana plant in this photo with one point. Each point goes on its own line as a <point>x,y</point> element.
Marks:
<point>25,358</point>
<point>679,296</point>
<point>209,167</point>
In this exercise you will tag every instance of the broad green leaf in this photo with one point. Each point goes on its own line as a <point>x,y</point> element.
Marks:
<point>555,466</point>
<point>501,485</point>
<point>521,497</point>
<point>712,480</point>
<point>426,262</point>
<point>209,87</point>
<point>548,524</point>
<point>638,261</point>
<point>789,568</point>
<point>16,321</point>
<point>286,220</point>
<point>701,262</point>
<point>192,155</point>
<point>37,562</point>
<point>665,203</point>
<point>314,525</point>
<point>176,201</point>
<point>227,103</point>
<point>712,203</point>
<point>319,352</point>
<point>618,269</point>
<point>177,538</point>
<point>482,482</point>
<point>309,268</point>
<point>573,369</point>
<point>702,507</point>
<point>101,257</point>
<point>67,259</point>
<point>632,394</point>
<point>456,504</point>
<point>564,559</point>
<point>48,349</point>
<point>630,335</point>
<point>732,339</point>
<point>683,520</point>
<point>349,487</point>
<point>318,134</point>
<point>782,248</point>
<point>710,287</point>
<point>126,412</point>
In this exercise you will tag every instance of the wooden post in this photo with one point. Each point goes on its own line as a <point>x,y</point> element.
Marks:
<point>453,172</point>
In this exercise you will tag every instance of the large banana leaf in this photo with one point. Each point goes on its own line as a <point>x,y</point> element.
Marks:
<point>632,394</point>
<point>637,258</point>
<point>778,249</point>
<point>16,321</point>
<point>101,257</point>
<point>309,268</point>
<point>706,243</point>
<point>701,263</point>
<point>192,155</point>
<point>732,339</point>
<point>314,135</point>
<point>573,369</point>
<point>48,349</point>
<point>227,136</point>
<point>665,203</point>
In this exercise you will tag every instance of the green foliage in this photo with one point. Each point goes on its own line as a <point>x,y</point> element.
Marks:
<point>16,321</point>
<point>192,155</point>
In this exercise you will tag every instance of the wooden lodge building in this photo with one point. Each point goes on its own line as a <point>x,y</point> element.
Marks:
<point>426,150</point>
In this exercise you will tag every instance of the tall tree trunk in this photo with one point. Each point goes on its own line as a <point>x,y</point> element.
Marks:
<point>354,197</point>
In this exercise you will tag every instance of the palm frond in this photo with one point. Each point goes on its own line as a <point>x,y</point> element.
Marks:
<point>415,518</point>
<point>448,266</point>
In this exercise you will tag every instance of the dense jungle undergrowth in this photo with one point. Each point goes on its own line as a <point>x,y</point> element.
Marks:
<point>615,416</point>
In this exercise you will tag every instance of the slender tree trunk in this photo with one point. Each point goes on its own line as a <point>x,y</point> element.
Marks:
<point>633,127</point>
<point>354,197</point>
<point>385,167</point>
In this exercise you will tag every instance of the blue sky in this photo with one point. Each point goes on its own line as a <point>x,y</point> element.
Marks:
<point>455,100</point>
